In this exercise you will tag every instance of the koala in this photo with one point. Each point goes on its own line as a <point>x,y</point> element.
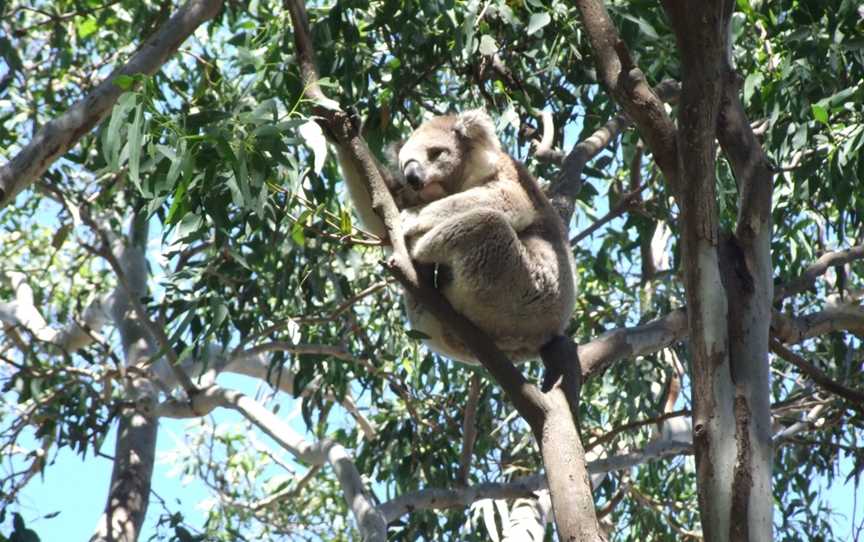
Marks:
<point>475,215</point>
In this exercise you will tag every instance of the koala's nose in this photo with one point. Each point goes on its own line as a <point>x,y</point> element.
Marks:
<point>414,175</point>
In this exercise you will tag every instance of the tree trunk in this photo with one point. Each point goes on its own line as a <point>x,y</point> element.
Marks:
<point>135,448</point>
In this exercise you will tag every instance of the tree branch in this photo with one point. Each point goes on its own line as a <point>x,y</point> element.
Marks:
<point>817,269</point>
<point>255,366</point>
<point>135,448</point>
<point>793,330</point>
<point>370,521</point>
<point>569,181</point>
<point>469,429</point>
<point>748,280</point>
<point>526,486</point>
<point>597,355</point>
<point>528,518</point>
<point>819,377</point>
<point>628,86</point>
<point>62,133</point>
<point>543,147</point>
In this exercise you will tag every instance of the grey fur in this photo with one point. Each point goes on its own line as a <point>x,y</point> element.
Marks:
<point>477,214</point>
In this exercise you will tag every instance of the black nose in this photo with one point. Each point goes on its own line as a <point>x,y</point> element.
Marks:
<point>414,174</point>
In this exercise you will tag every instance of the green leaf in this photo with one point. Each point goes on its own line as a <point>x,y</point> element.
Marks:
<point>537,21</point>
<point>220,312</point>
<point>178,207</point>
<point>819,113</point>
<point>750,83</point>
<point>416,334</point>
<point>111,137</point>
<point>61,235</point>
<point>136,136</point>
<point>10,54</point>
<point>345,222</point>
<point>643,25</point>
<point>297,234</point>
<point>85,26</point>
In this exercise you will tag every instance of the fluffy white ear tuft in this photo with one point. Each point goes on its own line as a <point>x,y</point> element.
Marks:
<point>476,125</point>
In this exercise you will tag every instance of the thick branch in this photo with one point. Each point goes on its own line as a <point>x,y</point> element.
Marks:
<point>630,342</point>
<point>23,313</point>
<point>749,287</point>
<point>62,133</point>
<point>135,447</point>
<point>434,498</point>
<point>597,355</point>
<point>561,445</point>
<point>793,330</point>
<point>628,86</point>
<point>749,164</point>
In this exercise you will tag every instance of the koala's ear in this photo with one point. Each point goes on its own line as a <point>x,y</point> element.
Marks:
<point>476,125</point>
<point>392,173</point>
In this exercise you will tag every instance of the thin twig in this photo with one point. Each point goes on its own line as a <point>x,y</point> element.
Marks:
<point>855,397</point>
<point>626,203</point>
<point>469,429</point>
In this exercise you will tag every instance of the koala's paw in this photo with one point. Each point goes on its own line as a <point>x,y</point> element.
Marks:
<point>410,222</point>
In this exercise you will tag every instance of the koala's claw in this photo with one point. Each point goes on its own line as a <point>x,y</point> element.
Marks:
<point>354,117</point>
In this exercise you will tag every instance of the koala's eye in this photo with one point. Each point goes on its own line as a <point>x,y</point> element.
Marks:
<point>436,152</point>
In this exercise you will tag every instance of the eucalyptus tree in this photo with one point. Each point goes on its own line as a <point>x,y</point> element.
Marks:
<point>172,214</point>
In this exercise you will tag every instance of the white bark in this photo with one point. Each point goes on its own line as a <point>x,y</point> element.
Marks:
<point>526,486</point>
<point>598,354</point>
<point>528,518</point>
<point>255,364</point>
<point>135,449</point>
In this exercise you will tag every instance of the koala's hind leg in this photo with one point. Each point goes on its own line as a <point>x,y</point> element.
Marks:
<point>484,255</point>
<point>511,286</point>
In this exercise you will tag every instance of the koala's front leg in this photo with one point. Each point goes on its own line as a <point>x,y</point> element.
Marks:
<point>480,247</point>
<point>506,199</point>
<point>412,226</point>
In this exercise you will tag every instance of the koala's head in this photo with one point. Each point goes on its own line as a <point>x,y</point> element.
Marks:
<point>449,154</point>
